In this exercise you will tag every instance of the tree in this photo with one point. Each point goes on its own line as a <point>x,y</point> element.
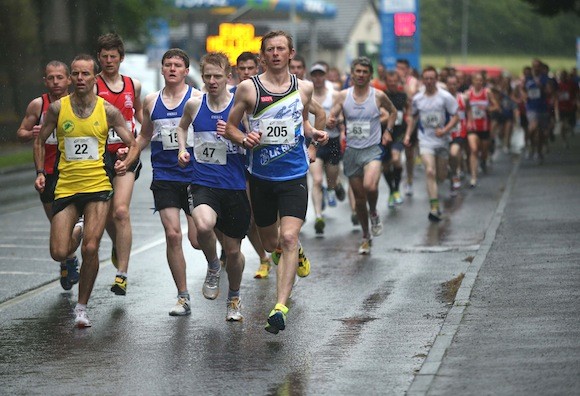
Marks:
<point>552,8</point>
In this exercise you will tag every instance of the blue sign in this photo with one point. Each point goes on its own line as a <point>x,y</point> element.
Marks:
<point>401,32</point>
<point>159,31</point>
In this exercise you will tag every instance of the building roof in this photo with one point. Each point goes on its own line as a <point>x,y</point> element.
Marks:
<point>332,33</point>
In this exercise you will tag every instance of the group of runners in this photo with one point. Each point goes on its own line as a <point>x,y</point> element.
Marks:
<point>236,159</point>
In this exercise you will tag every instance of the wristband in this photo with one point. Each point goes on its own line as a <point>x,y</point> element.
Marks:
<point>181,152</point>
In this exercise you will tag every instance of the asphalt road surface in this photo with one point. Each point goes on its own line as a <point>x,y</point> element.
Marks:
<point>357,324</point>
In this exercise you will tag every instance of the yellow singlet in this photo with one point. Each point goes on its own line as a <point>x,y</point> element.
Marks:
<point>81,142</point>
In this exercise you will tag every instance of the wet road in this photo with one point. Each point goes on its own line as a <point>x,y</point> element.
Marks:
<point>357,324</point>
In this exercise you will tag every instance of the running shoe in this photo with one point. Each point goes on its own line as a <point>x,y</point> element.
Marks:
<point>277,319</point>
<point>69,273</point>
<point>340,193</point>
<point>376,225</point>
<point>276,255</point>
<point>409,190</point>
<point>120,285</point>
<point>331,196</point>
<point>81,318</point>
<point>354,219</point>
<point>473,183</point>
<point>391,201</point>
<point>319,226</point>
<point>211,285</point>
<point>398,198</point>
<point>435,215</point>
<point>234,310</point>
<point>264,269</point>
<point>181,307</point>
<point>456,183</point>
<point>303,269</point>
<point>365,246</point>
<point>114,257</point>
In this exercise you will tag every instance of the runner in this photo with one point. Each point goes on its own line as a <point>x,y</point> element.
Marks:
<point>478,126</point>
<point>57,81</point>
<point>327,156</point>
<point>247,65</point>
<point>161,113</point>
<point>218,189</point>
<point>392,163</point>
<point>435,111</point>
<point>364,108</point>
<point>82,122</point>
<point>277,104</point>
<point>410,85</point>
<point>458,134</point>
<point>124,93</point>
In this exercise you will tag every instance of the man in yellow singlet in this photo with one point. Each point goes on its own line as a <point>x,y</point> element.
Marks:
<point>82,121</point>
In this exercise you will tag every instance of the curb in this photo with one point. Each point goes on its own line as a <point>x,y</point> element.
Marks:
<point>424,378</point>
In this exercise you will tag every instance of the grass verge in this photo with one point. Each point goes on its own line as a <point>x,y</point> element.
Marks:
<point>512,63</point>
<point>9,159</point>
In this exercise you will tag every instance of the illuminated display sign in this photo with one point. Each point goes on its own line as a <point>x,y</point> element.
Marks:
<point>405,24</point>
<point>233,39</point>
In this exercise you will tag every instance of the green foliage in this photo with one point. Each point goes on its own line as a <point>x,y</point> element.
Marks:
<point>504,27</point>
<point>551,7</point>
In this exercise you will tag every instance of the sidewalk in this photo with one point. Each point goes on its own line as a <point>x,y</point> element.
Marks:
<point>518,332</point>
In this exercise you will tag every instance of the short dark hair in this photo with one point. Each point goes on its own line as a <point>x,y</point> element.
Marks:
<point>176,52</point>
<point>57,63</point>
<point>217,59</point>
<point>111,41</point>
<point>86,57</point>
<point>246,56</point>
<point>276,33</point>
<point>299,58</point>
<point>362,61</point>
<point>430,68</point>
<point>403,61</point>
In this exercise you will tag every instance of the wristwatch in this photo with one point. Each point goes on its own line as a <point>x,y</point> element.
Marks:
<point>390,130</point>
<point>39,171</point>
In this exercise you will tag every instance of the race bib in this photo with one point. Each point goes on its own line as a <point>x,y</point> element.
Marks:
<point>81,148</point>
<point>399,120</point>
<point>534,93</point>
<point>52,138</point>
<point>431,120</point>
<point>114,137</point>
<point>564,96</point>
<point>358,129</point>
<point>279,131</point>
<point>211,153</point>
<point>478,112</point>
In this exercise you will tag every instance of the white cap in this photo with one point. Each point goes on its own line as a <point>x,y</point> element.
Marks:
<point>317,67</point>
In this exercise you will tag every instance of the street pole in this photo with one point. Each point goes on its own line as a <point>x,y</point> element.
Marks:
<point>464,28</point>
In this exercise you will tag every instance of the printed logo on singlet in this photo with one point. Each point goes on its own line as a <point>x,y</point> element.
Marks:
<point>128,101</point>
<point>266,99</point>
<point>68,126</point>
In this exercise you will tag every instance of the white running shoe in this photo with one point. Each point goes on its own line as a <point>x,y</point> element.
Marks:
<point>181,307</point>
<point>365,246</point>
<point>211,285</point>
<point>376,225</point>
<point>234,310</point>
<point>81,318</point>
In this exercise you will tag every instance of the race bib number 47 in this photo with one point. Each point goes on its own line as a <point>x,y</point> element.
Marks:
<point>81,148</point>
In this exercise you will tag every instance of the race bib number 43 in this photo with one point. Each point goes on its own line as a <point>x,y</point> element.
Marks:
<point>277,131</point>
<point>81,148</point>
